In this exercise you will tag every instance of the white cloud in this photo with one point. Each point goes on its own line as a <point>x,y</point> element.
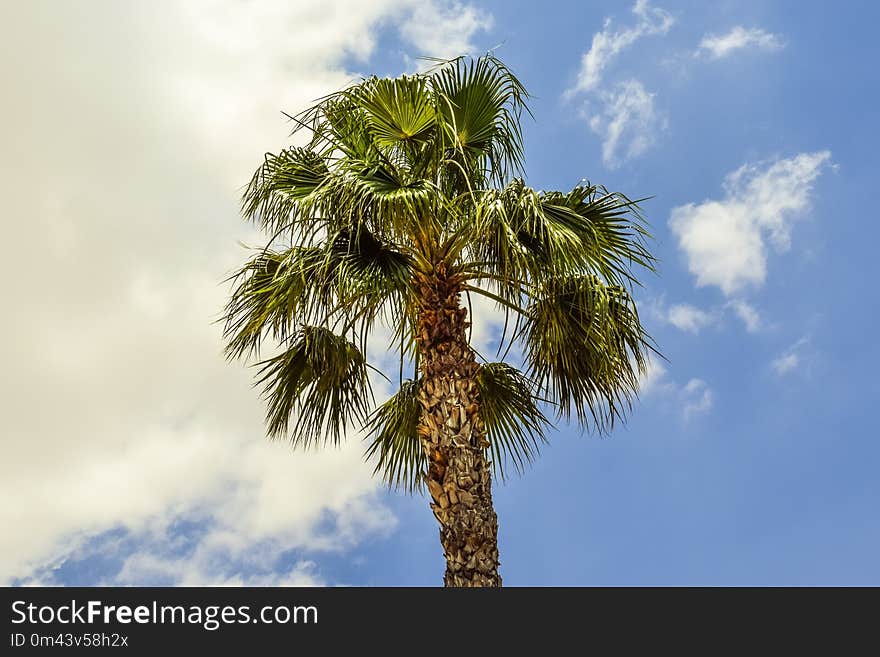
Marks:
<point>697,398</point>
<point>201,571</point>
<point>692,399</point>
<point>683,316</point>
<point>785,363</point>
<point>626,119</point>
<point>135,126</point>
<point>487,320</point>
<point>717,46</point>
<point>444,29</point>
<point>628,123</point>
<point>724,241</point>
<point>608,43</point>
<point>748,314</point>
<point>791,359</point>
<point>689,318</point>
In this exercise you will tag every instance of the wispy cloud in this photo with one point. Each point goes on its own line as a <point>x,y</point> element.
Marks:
<point>693,319</point>
<point>790,359</point>
<point>691,399</point>
<point>785,363</point>
<point>697,399</point>
<point>199,570</point>
<point>683,316</point>
<point>717,46</point>
<point>623,115</point>
<point>628,122</point>
<point>748,314</point>
<point>724,240</point>
<point>689,318</point>
<point>444,29</point>
<point>609,43</point>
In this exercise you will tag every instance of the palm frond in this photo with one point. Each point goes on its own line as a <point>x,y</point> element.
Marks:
<point>514,421</point>
<point>524,236</point>
<point>585,348</point>
<point>376,196</point>
<point>273,293</point>
<point>398,111</point>
<point>351,279</point>
<point>519,238</point>
<point>316,389</point>
<point>611,228</point>
<point>274,197</point>
<point>372,280</point>
<point>400,459</point>
<point>481,102</point>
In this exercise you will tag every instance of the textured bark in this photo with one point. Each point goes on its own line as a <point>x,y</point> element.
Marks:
<point>454,437</point>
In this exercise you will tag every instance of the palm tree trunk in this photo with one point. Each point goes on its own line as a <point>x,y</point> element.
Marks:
<point>454,437</point>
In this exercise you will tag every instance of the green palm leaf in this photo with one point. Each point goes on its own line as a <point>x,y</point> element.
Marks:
<point>271,296</point>
<point>372,280</point>
<point>277,190</point>
<point>611,228</point>
<point>398,111</point>
<point>316,389</point>
<point>585,348</point>
<point>376,197</point>
<point>400,460</point>
<point>524,235</point>
<point>514,421</point>
<point>350,279</point>
<point>481,102</point>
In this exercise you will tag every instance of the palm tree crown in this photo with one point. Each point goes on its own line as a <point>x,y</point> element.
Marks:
<point>407,195</point>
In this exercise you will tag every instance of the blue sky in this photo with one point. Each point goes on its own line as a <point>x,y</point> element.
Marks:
<point>134,452</point>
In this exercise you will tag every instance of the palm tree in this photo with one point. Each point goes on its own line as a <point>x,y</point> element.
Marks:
<point>403,203</point>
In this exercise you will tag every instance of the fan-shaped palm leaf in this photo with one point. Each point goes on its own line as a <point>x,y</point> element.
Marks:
<point>585,347</point>
<point>480,102</point>
<point>279,187</point>
<point>398,111</point>
<point>522,235</point>
<point>349,279</point>
<point>514,421</point>
<point>319,384</point>
<point>271,290</point>
<point>400,460</point>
